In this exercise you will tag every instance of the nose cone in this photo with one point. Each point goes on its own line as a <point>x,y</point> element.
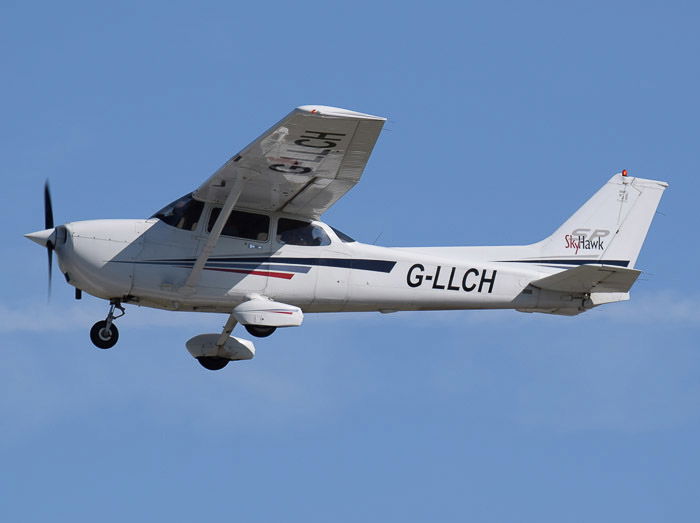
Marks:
<point>42,237</point>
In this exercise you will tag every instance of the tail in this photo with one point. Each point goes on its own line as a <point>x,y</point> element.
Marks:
<point>609,229</point>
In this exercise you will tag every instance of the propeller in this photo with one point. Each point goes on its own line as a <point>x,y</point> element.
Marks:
<point>48,224</point>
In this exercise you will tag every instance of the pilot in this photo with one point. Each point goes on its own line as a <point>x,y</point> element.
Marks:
<point>189,211</point>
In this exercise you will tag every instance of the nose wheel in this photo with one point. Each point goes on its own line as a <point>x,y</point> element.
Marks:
<point>104,334</point>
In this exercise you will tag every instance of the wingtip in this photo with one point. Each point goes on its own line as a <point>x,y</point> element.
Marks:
<point>326,110</point>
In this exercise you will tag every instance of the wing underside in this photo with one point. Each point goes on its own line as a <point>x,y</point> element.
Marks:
<point>301,165</point>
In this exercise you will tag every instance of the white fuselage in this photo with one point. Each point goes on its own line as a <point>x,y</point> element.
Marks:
<point>147,262</point>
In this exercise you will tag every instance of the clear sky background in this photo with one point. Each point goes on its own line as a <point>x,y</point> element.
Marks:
<point>503,118</point>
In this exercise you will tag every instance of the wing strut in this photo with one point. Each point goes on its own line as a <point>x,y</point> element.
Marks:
<point>231,199</point>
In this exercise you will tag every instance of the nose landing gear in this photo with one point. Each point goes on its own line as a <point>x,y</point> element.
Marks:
<point>104,334</point>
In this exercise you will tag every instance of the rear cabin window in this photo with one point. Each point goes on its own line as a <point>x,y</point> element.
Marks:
<point>297,232</point>
<point>343,237</point>
<point>242,224</point>
<point>183,213</point>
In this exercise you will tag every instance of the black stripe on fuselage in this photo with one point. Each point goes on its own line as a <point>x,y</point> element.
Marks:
<point>618,263</point>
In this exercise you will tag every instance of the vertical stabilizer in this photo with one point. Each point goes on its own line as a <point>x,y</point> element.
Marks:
<point>610,227</point>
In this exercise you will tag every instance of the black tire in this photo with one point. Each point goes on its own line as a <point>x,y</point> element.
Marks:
<point>102,338</point>
<point>260,331</point>
<point>212,362</point>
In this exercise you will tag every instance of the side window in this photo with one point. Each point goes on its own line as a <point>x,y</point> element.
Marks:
<point>183,213</point>
<point>297,232</point>
<point>243,225</point>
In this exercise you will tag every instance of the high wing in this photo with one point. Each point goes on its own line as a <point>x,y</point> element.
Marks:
<point>302,165</point>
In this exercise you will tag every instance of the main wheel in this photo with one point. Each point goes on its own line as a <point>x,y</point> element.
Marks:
<point>212,362</point>
<point>102,337</point>
<point>260,331</point>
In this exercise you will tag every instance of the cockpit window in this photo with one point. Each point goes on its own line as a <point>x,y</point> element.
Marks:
<point>183,213</point>
<point>241,224</point>
<point>343,237</point>
<point>297,232</point>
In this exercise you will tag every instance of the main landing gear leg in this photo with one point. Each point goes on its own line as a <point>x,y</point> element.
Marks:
<point>104,334</point>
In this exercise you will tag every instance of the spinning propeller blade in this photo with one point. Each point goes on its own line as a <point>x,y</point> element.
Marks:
<point>48,208</point>
<point>48,224</point>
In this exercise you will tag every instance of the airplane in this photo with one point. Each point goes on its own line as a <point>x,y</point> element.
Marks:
<point>248,242</point>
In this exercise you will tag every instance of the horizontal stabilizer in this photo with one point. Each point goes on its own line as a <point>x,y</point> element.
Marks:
<point>589,279</point>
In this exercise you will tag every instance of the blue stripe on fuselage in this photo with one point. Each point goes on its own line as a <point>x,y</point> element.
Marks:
<point>344,263</point>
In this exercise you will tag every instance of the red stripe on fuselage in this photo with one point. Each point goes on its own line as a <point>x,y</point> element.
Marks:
<point>283,275</point>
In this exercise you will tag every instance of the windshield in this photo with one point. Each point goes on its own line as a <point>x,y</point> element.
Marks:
<point>183,213</point>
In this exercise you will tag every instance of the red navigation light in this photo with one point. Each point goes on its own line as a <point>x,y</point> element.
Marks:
<point>624,172</point>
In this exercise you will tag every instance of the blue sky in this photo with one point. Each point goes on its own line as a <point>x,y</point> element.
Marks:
<point>503,118</point>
